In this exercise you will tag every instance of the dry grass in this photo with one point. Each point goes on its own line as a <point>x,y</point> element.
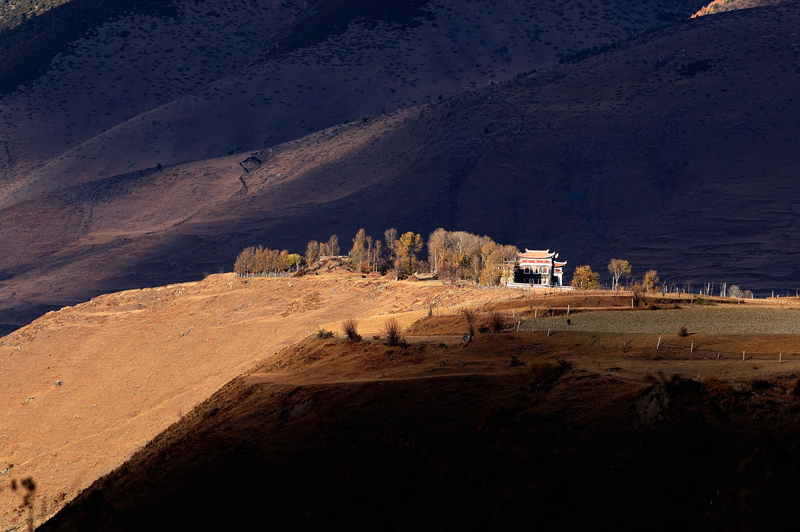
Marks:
<point>391,331</point>
<point>350,330</point>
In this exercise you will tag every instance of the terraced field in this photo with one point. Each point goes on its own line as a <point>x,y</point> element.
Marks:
<point>698,320</point>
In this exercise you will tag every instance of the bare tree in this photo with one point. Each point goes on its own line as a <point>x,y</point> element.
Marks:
<point>312,252</point>
<point>333,245</point>
<point>437,242</point>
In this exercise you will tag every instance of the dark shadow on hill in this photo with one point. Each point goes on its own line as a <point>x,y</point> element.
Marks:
<point>587,452</point>
<point>331,18</point>
<point>26,50</point>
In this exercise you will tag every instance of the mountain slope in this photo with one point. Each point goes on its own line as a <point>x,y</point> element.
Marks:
<point>86,386</point>
<point>509,432</point>
<point>676,150</point>
<point>106,147</point>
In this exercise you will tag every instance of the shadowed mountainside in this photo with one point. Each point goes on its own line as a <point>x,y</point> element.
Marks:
<point>676,150</point>
<point>720,6</point>
<point>103,153</point>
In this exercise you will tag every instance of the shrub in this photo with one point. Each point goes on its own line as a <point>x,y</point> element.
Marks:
<point>469,314</point>
<point>497,322</point>
<point>322,334</point>
<point>350,329</point>
<point>547,371</point>
<point>719,392</point>
<point>391,329</point>
<point>683,331</point>
<point>695,67</point>
<point>760,384</point>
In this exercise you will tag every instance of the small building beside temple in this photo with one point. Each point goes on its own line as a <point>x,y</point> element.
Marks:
<point>539,268</point>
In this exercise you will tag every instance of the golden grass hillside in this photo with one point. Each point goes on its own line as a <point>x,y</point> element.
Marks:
<point>569,429</point>
<point>86,386</point>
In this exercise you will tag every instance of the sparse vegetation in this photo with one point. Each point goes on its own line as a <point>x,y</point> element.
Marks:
<point>391,330</point>
<point>546,372</point>
<point>704,301</point>
<point>469,315</point>
<point>683,331</point>
<point>350,329</point>
<point>323,334</point>
<point>695,67</point>
<point>497,322</point>
<point>719,393</point>
<point>760,385</point>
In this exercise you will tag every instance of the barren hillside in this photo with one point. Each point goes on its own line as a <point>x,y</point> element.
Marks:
<point>86,386</point>
<point>574,430</point>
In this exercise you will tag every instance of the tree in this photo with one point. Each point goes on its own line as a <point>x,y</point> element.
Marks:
<point>264,261</point>
<point>617,268</point>
<point>407,249</point>
<point>312,252</point>
<point>585,279</point>
<point>294,260</point>
<point>358,253</point>
<point>437,243</point>
<point>389,239</point>
<point>650,281</point>
<point>333,245</point>
<point>245,261</point>
<point>376,256</point>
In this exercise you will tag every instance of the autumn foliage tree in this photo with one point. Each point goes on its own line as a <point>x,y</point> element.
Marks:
<point>458,255</point>
<point>650,281</point>
<point>365,255</point>
<point>358,253</point>
<point>585,279</point>
<point>617,268</point>
<point>407,249</point>
<point>254,261</point>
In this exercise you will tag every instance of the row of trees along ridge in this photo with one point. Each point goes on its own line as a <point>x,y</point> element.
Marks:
<point>452,256</point>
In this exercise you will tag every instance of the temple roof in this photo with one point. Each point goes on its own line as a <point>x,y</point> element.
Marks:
<point>536,254</point>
